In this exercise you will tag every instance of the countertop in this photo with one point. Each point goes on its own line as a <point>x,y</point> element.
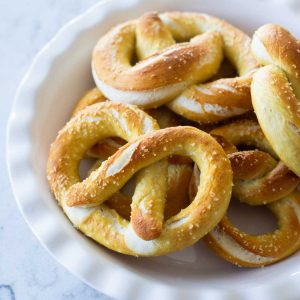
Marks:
<point>27,270</point>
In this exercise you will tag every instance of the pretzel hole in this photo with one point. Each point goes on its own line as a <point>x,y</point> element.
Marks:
<point>227,70</point>
<point>246,147</point>
<point>134,58</point>
<point>86,164</point>
<point>122,205</point>
<point>254,220</point>
<point>107,147</point>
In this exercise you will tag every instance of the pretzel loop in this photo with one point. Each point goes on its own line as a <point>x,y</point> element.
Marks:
<point>276,91</point>
<point>248,250</point>
<point>167,69</point>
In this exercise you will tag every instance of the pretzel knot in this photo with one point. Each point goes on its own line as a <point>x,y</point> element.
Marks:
<point>276,91</point>
<point>167,71</point>
<point>107,147</point>
<point>258,179</point>
<point>83,202</point>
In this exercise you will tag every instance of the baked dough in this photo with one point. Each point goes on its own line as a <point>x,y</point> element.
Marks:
<point>168,70</point>
<point>276,91</point>
<point>83,201</point>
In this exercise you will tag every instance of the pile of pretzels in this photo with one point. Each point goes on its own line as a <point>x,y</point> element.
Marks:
<point>188,114</point>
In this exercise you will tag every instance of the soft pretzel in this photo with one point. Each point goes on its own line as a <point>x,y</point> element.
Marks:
<point>166,69</point>
<point>103,120</point>
<point>83,201</point>
<point>258,177</point>
<point>276,91</point>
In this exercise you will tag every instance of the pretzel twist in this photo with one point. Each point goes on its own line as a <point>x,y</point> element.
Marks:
<point>83,201</point>
<point>258,177</point>
<point>177,193</point>
<point>168,70</point>
<point>276,91</point>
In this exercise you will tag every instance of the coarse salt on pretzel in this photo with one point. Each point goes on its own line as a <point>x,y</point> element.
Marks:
<point>98,122</point>
<point>258,177</point>
<point>276,91</point>
<point>158,78</point>
<point>166,69</point>
<point>179,170</point>
<point>82,202</point>
<point>108,146</point>
<point>176,198</point>
<point>248,250</point>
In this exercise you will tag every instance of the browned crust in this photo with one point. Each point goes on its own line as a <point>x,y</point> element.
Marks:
<point>226,145</point>
<point>146,228</point>
<point>94,121</point>
<point>174,65</point>
<point>229,94</point>
<point>275,246</point>
<point>151,147</point>
<point>107,147</point>
<point>258,179</point>
<point>248,165</point>
<point>283,49</point>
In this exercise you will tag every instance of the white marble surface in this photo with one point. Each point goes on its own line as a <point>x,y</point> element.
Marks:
<point>27,271</point>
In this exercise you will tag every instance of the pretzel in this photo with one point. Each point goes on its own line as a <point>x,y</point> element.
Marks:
<point>258,177</point>
<point>168,70</point>
<point>276,91</point>
<point>179,176</point>
<point>83,201</point>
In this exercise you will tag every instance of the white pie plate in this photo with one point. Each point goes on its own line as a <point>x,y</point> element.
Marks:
<point>57,77</point>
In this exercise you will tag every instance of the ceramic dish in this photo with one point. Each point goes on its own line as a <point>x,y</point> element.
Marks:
<point>59,75</point>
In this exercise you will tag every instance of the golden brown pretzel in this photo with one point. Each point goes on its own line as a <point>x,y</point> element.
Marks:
<point>108,119</point>
<point>82,201</point>
<point>166,69</point>
<point>258,177</point>
<point>276,91</point>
